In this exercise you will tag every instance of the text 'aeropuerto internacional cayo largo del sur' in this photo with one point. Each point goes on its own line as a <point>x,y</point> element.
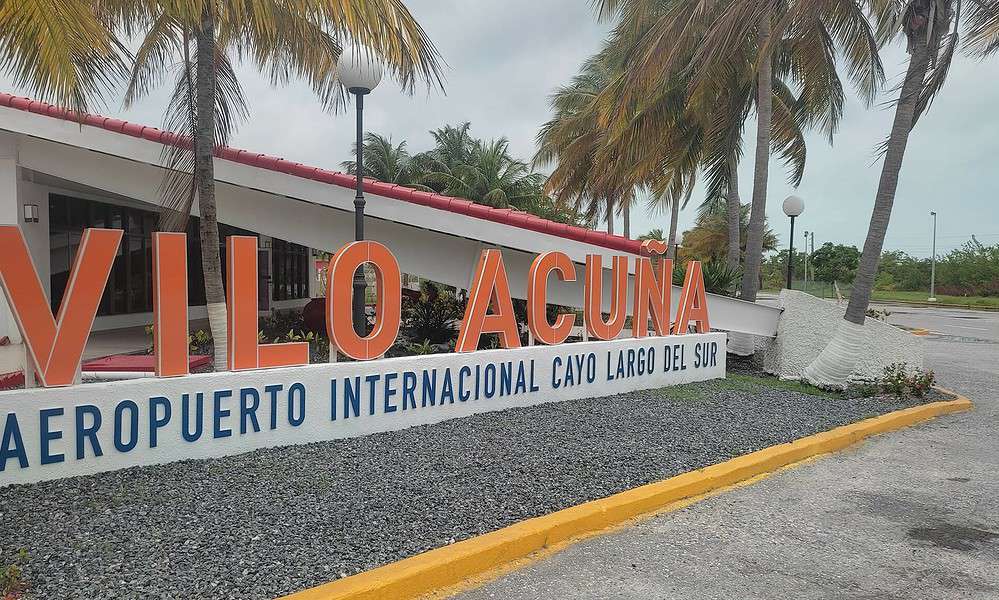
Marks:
<point>272,396</point>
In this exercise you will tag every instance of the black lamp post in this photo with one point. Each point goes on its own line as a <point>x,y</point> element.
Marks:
<point>359,72</point>
<point>793,207</point>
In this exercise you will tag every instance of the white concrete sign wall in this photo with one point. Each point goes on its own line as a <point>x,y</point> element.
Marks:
<point>85,429</point>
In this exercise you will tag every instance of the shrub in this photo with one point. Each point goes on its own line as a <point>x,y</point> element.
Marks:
<point>12,576</point>
<point>432,317</point>
<point>719,278</point>
<point>898,380</point>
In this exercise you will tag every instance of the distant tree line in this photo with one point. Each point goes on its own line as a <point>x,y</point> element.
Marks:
<point>971,270</point>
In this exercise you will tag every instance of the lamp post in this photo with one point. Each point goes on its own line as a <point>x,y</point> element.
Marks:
<point>933,261</point>
<point>360,73</point>
<point>806,262</point>
<point>793,207</point>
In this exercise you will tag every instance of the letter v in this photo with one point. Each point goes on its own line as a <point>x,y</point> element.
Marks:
<point>56,343</point>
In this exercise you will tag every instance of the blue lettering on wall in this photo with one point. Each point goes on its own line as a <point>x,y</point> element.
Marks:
<point>372,380</point>
<point>296,404</point>
<point>408,388</point>
<point>249,402</point>
<point>489,383</point>
<point>85,433</point>
<point>219,413</point>
<point>389,392</point>
<point>157,423</point>
<point>447,388</point>
<point>192,435</point>
<point>463,393</point>
<point>120,443</point>
<point>429,388</point>
<point>351,397</point>
<point>12,445</point>
<point>47,435</point>
<point>271,391</point>
<point>506,378</point>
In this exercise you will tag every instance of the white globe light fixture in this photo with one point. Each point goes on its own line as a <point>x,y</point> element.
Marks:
<point>793,207</point>
<point>360,71</point>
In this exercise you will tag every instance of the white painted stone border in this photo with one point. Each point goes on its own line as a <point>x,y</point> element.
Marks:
<point>61,406</point>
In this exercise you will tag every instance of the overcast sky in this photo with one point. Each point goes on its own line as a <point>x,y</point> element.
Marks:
<point>504,59</point>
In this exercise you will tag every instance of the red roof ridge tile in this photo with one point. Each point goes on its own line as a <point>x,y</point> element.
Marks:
<point>507,216</point>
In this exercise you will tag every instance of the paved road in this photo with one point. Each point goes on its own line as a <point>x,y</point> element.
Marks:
<point>912,514</point>
<point>970,324</point>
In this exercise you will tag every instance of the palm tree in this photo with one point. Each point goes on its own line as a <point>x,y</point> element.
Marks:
<point>301,39</point>
<point>739,56</point>
<point>481,171</point>
<point>930,28</point>
<point>383,160</point>
<point>572,140</point>
<point>64,51</point>
<point>708,240</point>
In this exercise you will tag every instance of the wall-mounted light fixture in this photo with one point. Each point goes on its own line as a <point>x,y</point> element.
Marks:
<point>30,213</point>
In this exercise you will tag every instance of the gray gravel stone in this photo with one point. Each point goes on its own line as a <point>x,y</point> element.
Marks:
<point>274,521</point>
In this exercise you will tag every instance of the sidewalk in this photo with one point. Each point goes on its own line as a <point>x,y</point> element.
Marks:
<point>912,514</point>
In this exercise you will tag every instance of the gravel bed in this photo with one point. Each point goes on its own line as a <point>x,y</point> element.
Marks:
<point>274,521</point>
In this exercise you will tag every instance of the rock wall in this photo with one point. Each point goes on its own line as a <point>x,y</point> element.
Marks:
<point>807,324</point>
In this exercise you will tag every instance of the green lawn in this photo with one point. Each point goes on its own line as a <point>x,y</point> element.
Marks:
<point>984,302</point>
<point>975,301</point>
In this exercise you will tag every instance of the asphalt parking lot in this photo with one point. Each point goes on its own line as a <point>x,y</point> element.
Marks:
<point>910,514</point>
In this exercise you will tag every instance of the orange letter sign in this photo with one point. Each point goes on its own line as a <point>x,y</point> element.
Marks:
<point>56,344</point>
<point>693,302</point>
<point>490,289</point>
<point>170,304</point>
<point>340,296</point>
<point>537,297</point>
<point>245,350</point>
<point>652,290</point>
<point>593,303</point>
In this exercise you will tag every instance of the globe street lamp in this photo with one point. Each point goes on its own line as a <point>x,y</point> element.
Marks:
<point>359,72</point>
<point>793,207</point>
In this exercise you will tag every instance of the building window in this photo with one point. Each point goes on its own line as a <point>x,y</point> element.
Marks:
<point>129,287</point>
<point>290,266</point>
<point>129,284</point>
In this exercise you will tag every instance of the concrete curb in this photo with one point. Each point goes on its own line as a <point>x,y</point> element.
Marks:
<point>450,565</point>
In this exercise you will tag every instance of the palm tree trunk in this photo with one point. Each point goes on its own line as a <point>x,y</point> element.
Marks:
<point>757,215</point>
<point>627,220</point>
<point>674,216</point>
<point>833,366</point>
<point>204,175</point>
<point>734,213</point>
<point>610,215</point>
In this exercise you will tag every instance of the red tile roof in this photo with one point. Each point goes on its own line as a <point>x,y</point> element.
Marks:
<point>389,190</point>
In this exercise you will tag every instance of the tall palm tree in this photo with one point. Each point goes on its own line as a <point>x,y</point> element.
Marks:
<point>708,239</point>
<point>482,171</point>
<point>930,29</point>
<point>301,39</point>
<point>64,51</point>
<point>572,140</point>
<point>384,160</point>
<point>767,48</point>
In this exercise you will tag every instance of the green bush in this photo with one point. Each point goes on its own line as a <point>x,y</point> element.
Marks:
<point>898,380</point>
<point>12,576</point>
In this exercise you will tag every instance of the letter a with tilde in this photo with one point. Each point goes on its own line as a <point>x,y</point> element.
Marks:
<point>56,343</point>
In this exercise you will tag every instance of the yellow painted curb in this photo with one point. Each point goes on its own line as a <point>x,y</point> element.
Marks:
<point>920,331</point>
<point>447,566</point>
